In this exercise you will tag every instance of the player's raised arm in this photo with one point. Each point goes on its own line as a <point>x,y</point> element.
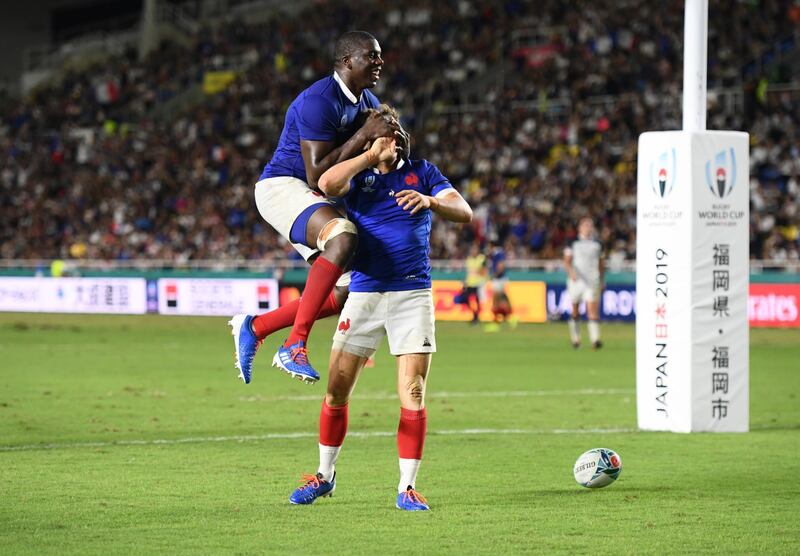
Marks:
<point>445,201</point>
<point>449,204</point>
<point>335,182</point>
<point>319,156</point>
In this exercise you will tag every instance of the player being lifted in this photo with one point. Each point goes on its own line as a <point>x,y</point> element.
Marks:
<point>390,199</point>
<point>322,127</point>
<point>583,262</point>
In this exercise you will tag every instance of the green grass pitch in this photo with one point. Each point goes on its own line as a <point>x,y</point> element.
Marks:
<point>132,435</point>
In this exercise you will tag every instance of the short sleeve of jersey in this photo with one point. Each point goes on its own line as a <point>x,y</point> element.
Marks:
<point>317,119</point>
<point>435,179</point>
<point>353,191</point>
<point>370,100</point>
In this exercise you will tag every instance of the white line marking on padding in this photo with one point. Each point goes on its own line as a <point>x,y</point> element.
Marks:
<point>295,435</point>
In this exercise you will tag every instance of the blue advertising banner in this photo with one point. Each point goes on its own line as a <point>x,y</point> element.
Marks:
<point>616,303</point>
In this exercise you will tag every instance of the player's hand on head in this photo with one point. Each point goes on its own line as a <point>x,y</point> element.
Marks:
<point>384,149</point>
<point>403,140</point>
<point>362,116</point>
<point>379,126</point>
<point>408,199</point>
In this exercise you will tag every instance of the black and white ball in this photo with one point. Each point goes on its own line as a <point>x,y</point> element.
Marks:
<point>597,468</point>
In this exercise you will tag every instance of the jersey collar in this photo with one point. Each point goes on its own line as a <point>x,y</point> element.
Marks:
<point>350,96</point>
<point>399,165</point>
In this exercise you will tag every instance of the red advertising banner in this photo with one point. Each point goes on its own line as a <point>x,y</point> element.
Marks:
<point>774,305</point>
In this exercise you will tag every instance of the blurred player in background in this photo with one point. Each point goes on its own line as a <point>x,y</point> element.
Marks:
<point>475,280</point>
<point>501,304</point>
<point>583,261</point>
<point>390,199</point>
<point>323,126</point>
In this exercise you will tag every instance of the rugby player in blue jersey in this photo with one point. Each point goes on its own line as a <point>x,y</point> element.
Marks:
<point>390,199</point>
<point>331,121</point>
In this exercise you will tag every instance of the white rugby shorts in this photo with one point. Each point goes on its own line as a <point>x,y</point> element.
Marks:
<point>281,200</point>
<point>405,317</point>
<point>499,285</point>
<point>579,291</point>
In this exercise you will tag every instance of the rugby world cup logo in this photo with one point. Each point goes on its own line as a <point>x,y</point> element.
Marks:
<point>721,173</point>
<point>368,181</point>
<point>662,173</point>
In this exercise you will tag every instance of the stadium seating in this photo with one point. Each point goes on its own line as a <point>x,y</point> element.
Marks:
<point>118,163</point>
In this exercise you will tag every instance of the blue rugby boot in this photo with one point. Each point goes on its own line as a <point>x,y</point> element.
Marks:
<point>245,343</point>
<point>314,487</point>
<point>411,501</point>
<point>294,360</point>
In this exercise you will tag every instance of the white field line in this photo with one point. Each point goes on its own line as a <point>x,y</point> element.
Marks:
<point>445,395</point>
<point>293,435</point>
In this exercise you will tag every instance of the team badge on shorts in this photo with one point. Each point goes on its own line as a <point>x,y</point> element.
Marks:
<point>344,326</point>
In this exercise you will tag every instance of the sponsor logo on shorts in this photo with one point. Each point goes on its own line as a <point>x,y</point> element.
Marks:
<point>427,342</point>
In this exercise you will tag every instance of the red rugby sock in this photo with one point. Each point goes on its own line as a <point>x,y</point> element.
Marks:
<point>283,317</point>
<point>322,278</point>
<point>332,424</point>
<point>411,433</point>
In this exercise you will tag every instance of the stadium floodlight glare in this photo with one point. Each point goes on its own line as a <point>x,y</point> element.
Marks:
<point>692,263</point>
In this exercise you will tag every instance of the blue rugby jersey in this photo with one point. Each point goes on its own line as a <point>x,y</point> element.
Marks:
<point>323,112</point>
<point>497,257</point>
<point>393,246</point>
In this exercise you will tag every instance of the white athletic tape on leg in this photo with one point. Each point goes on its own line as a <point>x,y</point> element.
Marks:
<point>359,351</point>
<point>344,280</point>
<point>334,228</point>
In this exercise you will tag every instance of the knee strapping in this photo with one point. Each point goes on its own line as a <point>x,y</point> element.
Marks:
<point>335,227</point>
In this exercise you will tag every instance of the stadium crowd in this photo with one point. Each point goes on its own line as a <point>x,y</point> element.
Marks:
<point>533,109</point>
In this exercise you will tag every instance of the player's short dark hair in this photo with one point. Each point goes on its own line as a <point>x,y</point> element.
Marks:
<point>348,43</point>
